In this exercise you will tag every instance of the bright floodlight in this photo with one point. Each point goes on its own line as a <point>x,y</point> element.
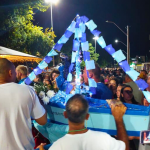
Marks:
<point>52,1</point>
<point>96,38</point>
<point>116,41</point>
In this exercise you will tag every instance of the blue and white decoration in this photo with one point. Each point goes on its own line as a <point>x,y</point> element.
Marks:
<point>99,109</point>
<point>78,27</point>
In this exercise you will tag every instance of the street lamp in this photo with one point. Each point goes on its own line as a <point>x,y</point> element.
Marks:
<point>116,41</point>
<point>52,2</point>
<point>127,34</point>
<point>95,38</point>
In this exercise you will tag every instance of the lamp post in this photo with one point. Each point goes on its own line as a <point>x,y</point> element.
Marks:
<point>116,41</point>
<point>95,38</point>
<point>127,34</point>
<point>51,2</point>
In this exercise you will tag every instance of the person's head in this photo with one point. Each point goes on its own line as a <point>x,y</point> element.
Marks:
<point>21,72</point>
<point>118,73</point>
<point>7,71</point>
<point>38,78</point>
<point>46,76</point>
<point>46,82</point>
<point>127,95</point>
<point>113,83</point>
<point>144,73</point>
<point>94,74</point>
<point>126,79</point>
<point>120,80</point>
<point>77,109</point>
<point>54,74</point>
<point>120,86</point>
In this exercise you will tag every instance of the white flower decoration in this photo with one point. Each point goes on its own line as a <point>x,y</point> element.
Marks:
<point>45,100</point>
<point>42,94</point>
<point>50,93</point>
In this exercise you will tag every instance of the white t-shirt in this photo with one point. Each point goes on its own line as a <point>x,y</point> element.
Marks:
<point>18,103</point>
<point>91,140</point>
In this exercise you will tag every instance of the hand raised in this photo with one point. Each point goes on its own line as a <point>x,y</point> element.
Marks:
<point>118,111</point>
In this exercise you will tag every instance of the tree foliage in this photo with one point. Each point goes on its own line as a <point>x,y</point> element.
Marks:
<point>18,30</point>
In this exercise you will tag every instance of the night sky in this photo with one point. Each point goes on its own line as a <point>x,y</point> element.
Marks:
<point>135,13</point>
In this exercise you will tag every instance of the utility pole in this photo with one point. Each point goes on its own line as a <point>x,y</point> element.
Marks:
<point>128,46</point>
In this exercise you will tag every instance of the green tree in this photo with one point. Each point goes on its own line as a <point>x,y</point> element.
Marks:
<point>93,56</point>
<point>19,31</point>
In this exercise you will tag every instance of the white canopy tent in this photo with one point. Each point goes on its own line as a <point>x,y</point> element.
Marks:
<point>16,56</point>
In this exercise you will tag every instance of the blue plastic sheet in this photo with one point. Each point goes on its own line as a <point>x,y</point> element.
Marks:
<point>42,65</point>
<point>119,56</point>
<point>82,27</point>
<point>86,56</point>
<point>32,76</point>
<point>68,34</point>
<point>77,25</point>
<point>96,33</point>
<point>72,27</point>
<point>133,74</point>
<point>61,70</point>
<point>58,46</point>
<point>84,19</point>
<point>52,131</point>
<point>63,40</point>
<point>52,53</point>
<point>147,95</point>
<point>87,73</point>
<point>37,71</point>
<point>85,46</point>
<point>141,84</point>
<point>78,33</point>
<point>91,25</point>
<point>69,77</point>
<point>83,38</point>
<point>93,90</point>
<point>110,49</point>
<point>48,59</point>
<point>90,65</point>
<point>69,88</point>
<point>92,83</point>
<point>73,59</point>
<point>101,42</point>
<point>71,67</point>
<point>78,21</point>
<point>125,66</point>
<point>28,81</point>
<point>59,81</point>
<point>76,45</point>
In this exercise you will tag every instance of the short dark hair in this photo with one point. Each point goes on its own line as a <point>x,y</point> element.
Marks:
<point>5,66</point>
<point>144,71</point>
<point>77,108</point>
<point>96,71</point>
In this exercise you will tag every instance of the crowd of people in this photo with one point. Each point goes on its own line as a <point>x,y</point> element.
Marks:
<point>19,104</point>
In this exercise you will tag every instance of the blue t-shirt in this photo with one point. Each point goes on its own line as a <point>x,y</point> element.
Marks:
<point>102,92</point>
